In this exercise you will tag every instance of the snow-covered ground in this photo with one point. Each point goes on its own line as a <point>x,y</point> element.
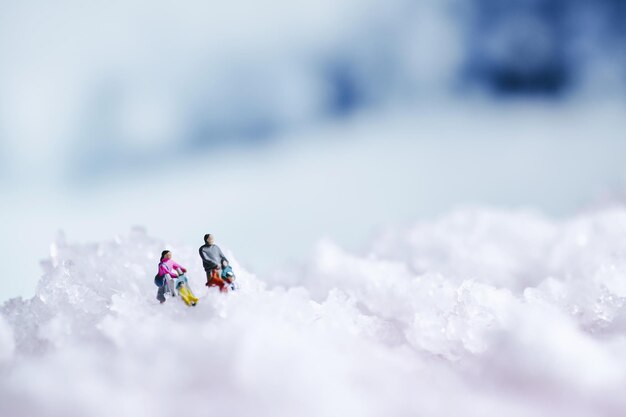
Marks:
<point>479,313</point>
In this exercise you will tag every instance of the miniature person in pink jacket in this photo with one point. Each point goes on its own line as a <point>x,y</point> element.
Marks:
<point>172,273</point>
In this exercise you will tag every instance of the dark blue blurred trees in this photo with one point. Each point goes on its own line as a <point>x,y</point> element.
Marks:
<point>543,46</point>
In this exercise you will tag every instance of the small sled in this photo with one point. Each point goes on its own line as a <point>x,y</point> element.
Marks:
<point>228,276</point>
<point>184,291</point>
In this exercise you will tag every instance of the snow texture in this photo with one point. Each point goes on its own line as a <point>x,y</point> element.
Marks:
<point>480,313</point>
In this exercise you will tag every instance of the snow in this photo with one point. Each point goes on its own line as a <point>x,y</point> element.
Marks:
<point>482,312</point>
<point>7,344</point>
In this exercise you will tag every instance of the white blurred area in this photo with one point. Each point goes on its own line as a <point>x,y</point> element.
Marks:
<point>271,205</point>
<point>273,124</point>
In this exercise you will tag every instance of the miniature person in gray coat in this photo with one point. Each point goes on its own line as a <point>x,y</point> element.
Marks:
<point>213,260</point>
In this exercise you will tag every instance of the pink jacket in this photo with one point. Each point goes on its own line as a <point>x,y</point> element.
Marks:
<point>169,267</point>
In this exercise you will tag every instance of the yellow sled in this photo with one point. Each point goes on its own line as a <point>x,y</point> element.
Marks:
<point>187,296</point>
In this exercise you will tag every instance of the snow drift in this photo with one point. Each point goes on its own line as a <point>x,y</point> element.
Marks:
<point>481,313</point>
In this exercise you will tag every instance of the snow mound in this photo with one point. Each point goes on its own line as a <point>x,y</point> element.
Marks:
<point>483,312</point>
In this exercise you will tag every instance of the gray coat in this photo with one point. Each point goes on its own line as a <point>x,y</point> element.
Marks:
<point>212,257</point>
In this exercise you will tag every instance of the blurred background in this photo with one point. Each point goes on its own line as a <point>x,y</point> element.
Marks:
<point>275,123</point>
